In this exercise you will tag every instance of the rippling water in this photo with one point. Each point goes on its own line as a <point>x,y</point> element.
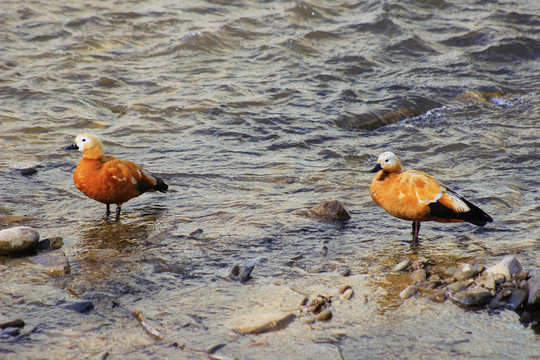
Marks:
<point>251,110</point>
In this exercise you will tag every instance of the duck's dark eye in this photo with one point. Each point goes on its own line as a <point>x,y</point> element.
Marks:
<point>386,160</point>
<point>83,140</point>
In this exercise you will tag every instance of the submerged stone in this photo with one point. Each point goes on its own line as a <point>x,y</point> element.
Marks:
<point>408,292</point>
<point>55,262</point>
<point>332,210</point>
<point>261,323</point>
<point>82,307</point>
<point>17,240</point>
<point>402,265</point>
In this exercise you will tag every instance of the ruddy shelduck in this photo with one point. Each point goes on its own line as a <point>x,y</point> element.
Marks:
<point>107,179</point>
<point>416,196</point>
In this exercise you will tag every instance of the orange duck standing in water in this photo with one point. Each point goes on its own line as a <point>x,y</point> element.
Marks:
<point>110,180</point>
<point>416,196</point>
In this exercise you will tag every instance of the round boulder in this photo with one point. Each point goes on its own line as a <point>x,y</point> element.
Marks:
<point>17,240</point>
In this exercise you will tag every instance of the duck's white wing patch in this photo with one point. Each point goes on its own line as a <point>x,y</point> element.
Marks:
<point>119,179</point>
<point>458,205</point>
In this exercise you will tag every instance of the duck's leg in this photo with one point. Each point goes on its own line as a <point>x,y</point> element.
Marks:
<point>415,230</point>
<point>108,212</point>
<point>118,209</point>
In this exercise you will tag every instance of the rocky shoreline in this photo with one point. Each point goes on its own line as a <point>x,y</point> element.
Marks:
<point>473,285</point>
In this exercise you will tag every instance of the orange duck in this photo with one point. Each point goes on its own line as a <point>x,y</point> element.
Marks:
<point>107,179</point>
<point>416,196</point>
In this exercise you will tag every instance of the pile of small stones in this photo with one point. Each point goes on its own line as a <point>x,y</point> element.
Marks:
<point>502,286</point>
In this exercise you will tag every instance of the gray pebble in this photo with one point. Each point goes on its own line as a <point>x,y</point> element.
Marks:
<point>408,292</point>
<point>347,294</point>
<point>402,265</point>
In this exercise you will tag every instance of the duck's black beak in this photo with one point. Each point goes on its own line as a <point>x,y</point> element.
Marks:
<point>377,168</point>
<point>72,147</point>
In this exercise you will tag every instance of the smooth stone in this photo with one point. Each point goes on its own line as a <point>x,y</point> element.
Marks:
<point>408,292</point>
<point>418,276</point>
<point>472,297</point>
<point>466,272</point>
<point>55,262</point>
<point>347,294</point>
<point>324,315</point>
<point>261,323</point>
<point>402,265</point>
<point>332,210</point>
<point>82,307</point>
<point>17,240</point>
<point>517,298</point>
<point>14,323</point>
<point>28,171</point>
<point>450,271</point>
<point>534,292</point>
<point>344,288</point>
<point>100,254</point>
<point>456,287</point>
<point>509,267</point>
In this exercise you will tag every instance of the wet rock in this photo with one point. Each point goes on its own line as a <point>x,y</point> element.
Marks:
<point>19,323</point>
<point>332,210</point>
<point>472,297</point>
<point>54,262</point>
<point>467,272</point>
<point>28,171</point>
<point>517,298</point>
<point>402,265</point>
<point>456,287</point>
<point>324,315</point>
<point>408,292</point>
<point>17,240</point>
<point>347,294</point>
<point>486,280</point>
<point>509,267</point>
<point>11,331</point>
<point>52,243</point>
<point>534,292</point>
<point>261,323</point>
<point>418,276</point>
<point>450,271</point>
<point>83,307</point>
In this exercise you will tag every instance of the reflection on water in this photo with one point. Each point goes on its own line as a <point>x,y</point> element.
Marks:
<point>250,111</point>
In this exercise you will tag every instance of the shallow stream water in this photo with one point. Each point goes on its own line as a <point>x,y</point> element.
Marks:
<point>251,110</point>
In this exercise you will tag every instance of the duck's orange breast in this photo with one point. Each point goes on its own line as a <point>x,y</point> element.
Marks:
<point>110,180</point>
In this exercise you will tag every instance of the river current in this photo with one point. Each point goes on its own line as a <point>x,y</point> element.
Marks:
<point>250,111</point>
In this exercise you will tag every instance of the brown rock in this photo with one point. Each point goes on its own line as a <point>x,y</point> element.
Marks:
<point>55,262</point>
<point>332,210</point>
